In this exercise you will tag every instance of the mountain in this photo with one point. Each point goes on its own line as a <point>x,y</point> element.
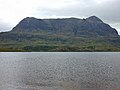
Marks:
<point>91,26</point>
<point>62,34</point>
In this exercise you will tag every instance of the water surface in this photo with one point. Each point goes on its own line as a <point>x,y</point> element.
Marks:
<point>60,71</point>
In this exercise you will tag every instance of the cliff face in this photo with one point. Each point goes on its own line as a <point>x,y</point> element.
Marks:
<point>88,27</point>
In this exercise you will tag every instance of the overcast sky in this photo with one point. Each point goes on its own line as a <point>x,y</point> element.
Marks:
<point>12,11</point>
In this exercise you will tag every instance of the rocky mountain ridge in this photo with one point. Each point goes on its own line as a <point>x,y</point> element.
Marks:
<point>92,26</point>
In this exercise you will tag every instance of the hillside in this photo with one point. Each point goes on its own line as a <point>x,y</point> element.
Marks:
<point>66,34</point>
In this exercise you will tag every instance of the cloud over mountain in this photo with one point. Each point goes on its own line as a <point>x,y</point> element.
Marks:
<point>14,10</point>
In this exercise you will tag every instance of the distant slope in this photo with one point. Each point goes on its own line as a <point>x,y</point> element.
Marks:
<point>66,34</point>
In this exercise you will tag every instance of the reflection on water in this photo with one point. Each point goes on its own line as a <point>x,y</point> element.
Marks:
<point>59,71</point>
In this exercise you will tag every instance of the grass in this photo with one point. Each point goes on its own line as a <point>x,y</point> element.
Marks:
<point>54,43</point>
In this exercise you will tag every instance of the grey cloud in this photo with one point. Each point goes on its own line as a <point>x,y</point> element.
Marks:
<point>108,11</point>
<point>4,26</point>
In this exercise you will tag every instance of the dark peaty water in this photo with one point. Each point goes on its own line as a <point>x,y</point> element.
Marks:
<point>60,71</point>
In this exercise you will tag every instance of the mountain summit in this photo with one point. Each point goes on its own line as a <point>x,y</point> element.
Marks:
<point>92,26</point>
<point>94,19</point>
